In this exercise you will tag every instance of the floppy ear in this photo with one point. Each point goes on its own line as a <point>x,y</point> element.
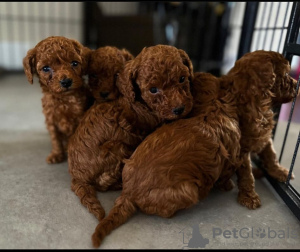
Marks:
<point>29,64</point>
<point>126,80</point>
<point>187,61</point>
<point>127,55</point>
<point>263,76</point>
<point>253,78</point>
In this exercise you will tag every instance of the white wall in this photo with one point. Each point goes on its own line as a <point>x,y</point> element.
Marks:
<point>24,24</point>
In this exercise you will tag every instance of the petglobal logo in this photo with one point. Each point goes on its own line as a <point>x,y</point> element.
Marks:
<point>192,237</point>
<point>254,233</point>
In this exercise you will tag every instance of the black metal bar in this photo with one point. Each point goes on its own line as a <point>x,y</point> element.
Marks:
<point>289,122</point>
<point>87,22</point>
<point>248,28</point>
<point>292,33</point>
<point>292,49</point>
<point>293,160</point>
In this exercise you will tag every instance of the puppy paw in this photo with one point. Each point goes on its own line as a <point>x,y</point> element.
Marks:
<point>225,186</point>
<point>250,200</point>
<point>280,174</point>
<point>55,158</point>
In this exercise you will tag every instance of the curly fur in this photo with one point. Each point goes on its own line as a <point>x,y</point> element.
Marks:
<point>55,60</point>
<point>110,131</point>
<point>261,80</point>
<point>105,65</point>
<point>179,163</point>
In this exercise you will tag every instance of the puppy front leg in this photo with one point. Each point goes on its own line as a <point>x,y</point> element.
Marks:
<point>245,181</point>
<point>271,164</point>
<point>57,154</point>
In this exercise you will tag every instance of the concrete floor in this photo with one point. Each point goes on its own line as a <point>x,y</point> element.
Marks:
<point>38,210</point>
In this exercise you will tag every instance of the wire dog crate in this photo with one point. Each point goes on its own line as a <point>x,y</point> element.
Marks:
<point>254,36</point>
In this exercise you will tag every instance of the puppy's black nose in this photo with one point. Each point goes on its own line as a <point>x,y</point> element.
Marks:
<point>178,110</point>
<point>104,94</point>
<point>66,83</point>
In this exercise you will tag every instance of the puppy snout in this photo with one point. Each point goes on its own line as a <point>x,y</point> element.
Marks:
<point>104,94</point>
<point>178,110</point>
<point>66,83</point>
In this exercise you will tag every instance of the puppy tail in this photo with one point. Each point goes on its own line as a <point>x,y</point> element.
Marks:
<point>118,215</point>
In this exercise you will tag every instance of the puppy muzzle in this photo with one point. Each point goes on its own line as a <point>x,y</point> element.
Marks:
<point>66,83</point>
<point>178,110</point>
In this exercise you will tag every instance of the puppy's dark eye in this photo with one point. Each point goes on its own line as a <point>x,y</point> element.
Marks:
<point>153,90</point>
<point>46,69</point>
<point>74,63</point>
<point>93,76</point>
<point>116,76</point>
<point>181,79</point>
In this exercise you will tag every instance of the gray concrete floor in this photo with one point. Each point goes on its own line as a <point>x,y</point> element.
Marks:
<point>38,210</point>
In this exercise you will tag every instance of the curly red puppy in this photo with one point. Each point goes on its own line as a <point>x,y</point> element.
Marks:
<point>154,87</point>
<point>261,80</point>
<point>179,163</point>
<point>60,64</point>
<point>104,66</point>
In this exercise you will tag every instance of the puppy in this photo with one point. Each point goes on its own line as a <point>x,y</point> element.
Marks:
<point>154,87</point>
<point>104,66</point>
<point>179,163</point>
<point>261,81</point>
<point>60,64</point>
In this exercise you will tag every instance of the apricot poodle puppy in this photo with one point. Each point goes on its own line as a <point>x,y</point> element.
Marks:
<point>154,87</point>
<point>261,80</point>
<point>104,67</point>
<point>60,64</point>
<point>179,163</point>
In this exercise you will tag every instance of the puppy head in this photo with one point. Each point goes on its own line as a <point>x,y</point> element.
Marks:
<point>58,62</point>
<point>285,86</point>
<point>160,78</point>
<point>104,67</point>
<point>265,74</point>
